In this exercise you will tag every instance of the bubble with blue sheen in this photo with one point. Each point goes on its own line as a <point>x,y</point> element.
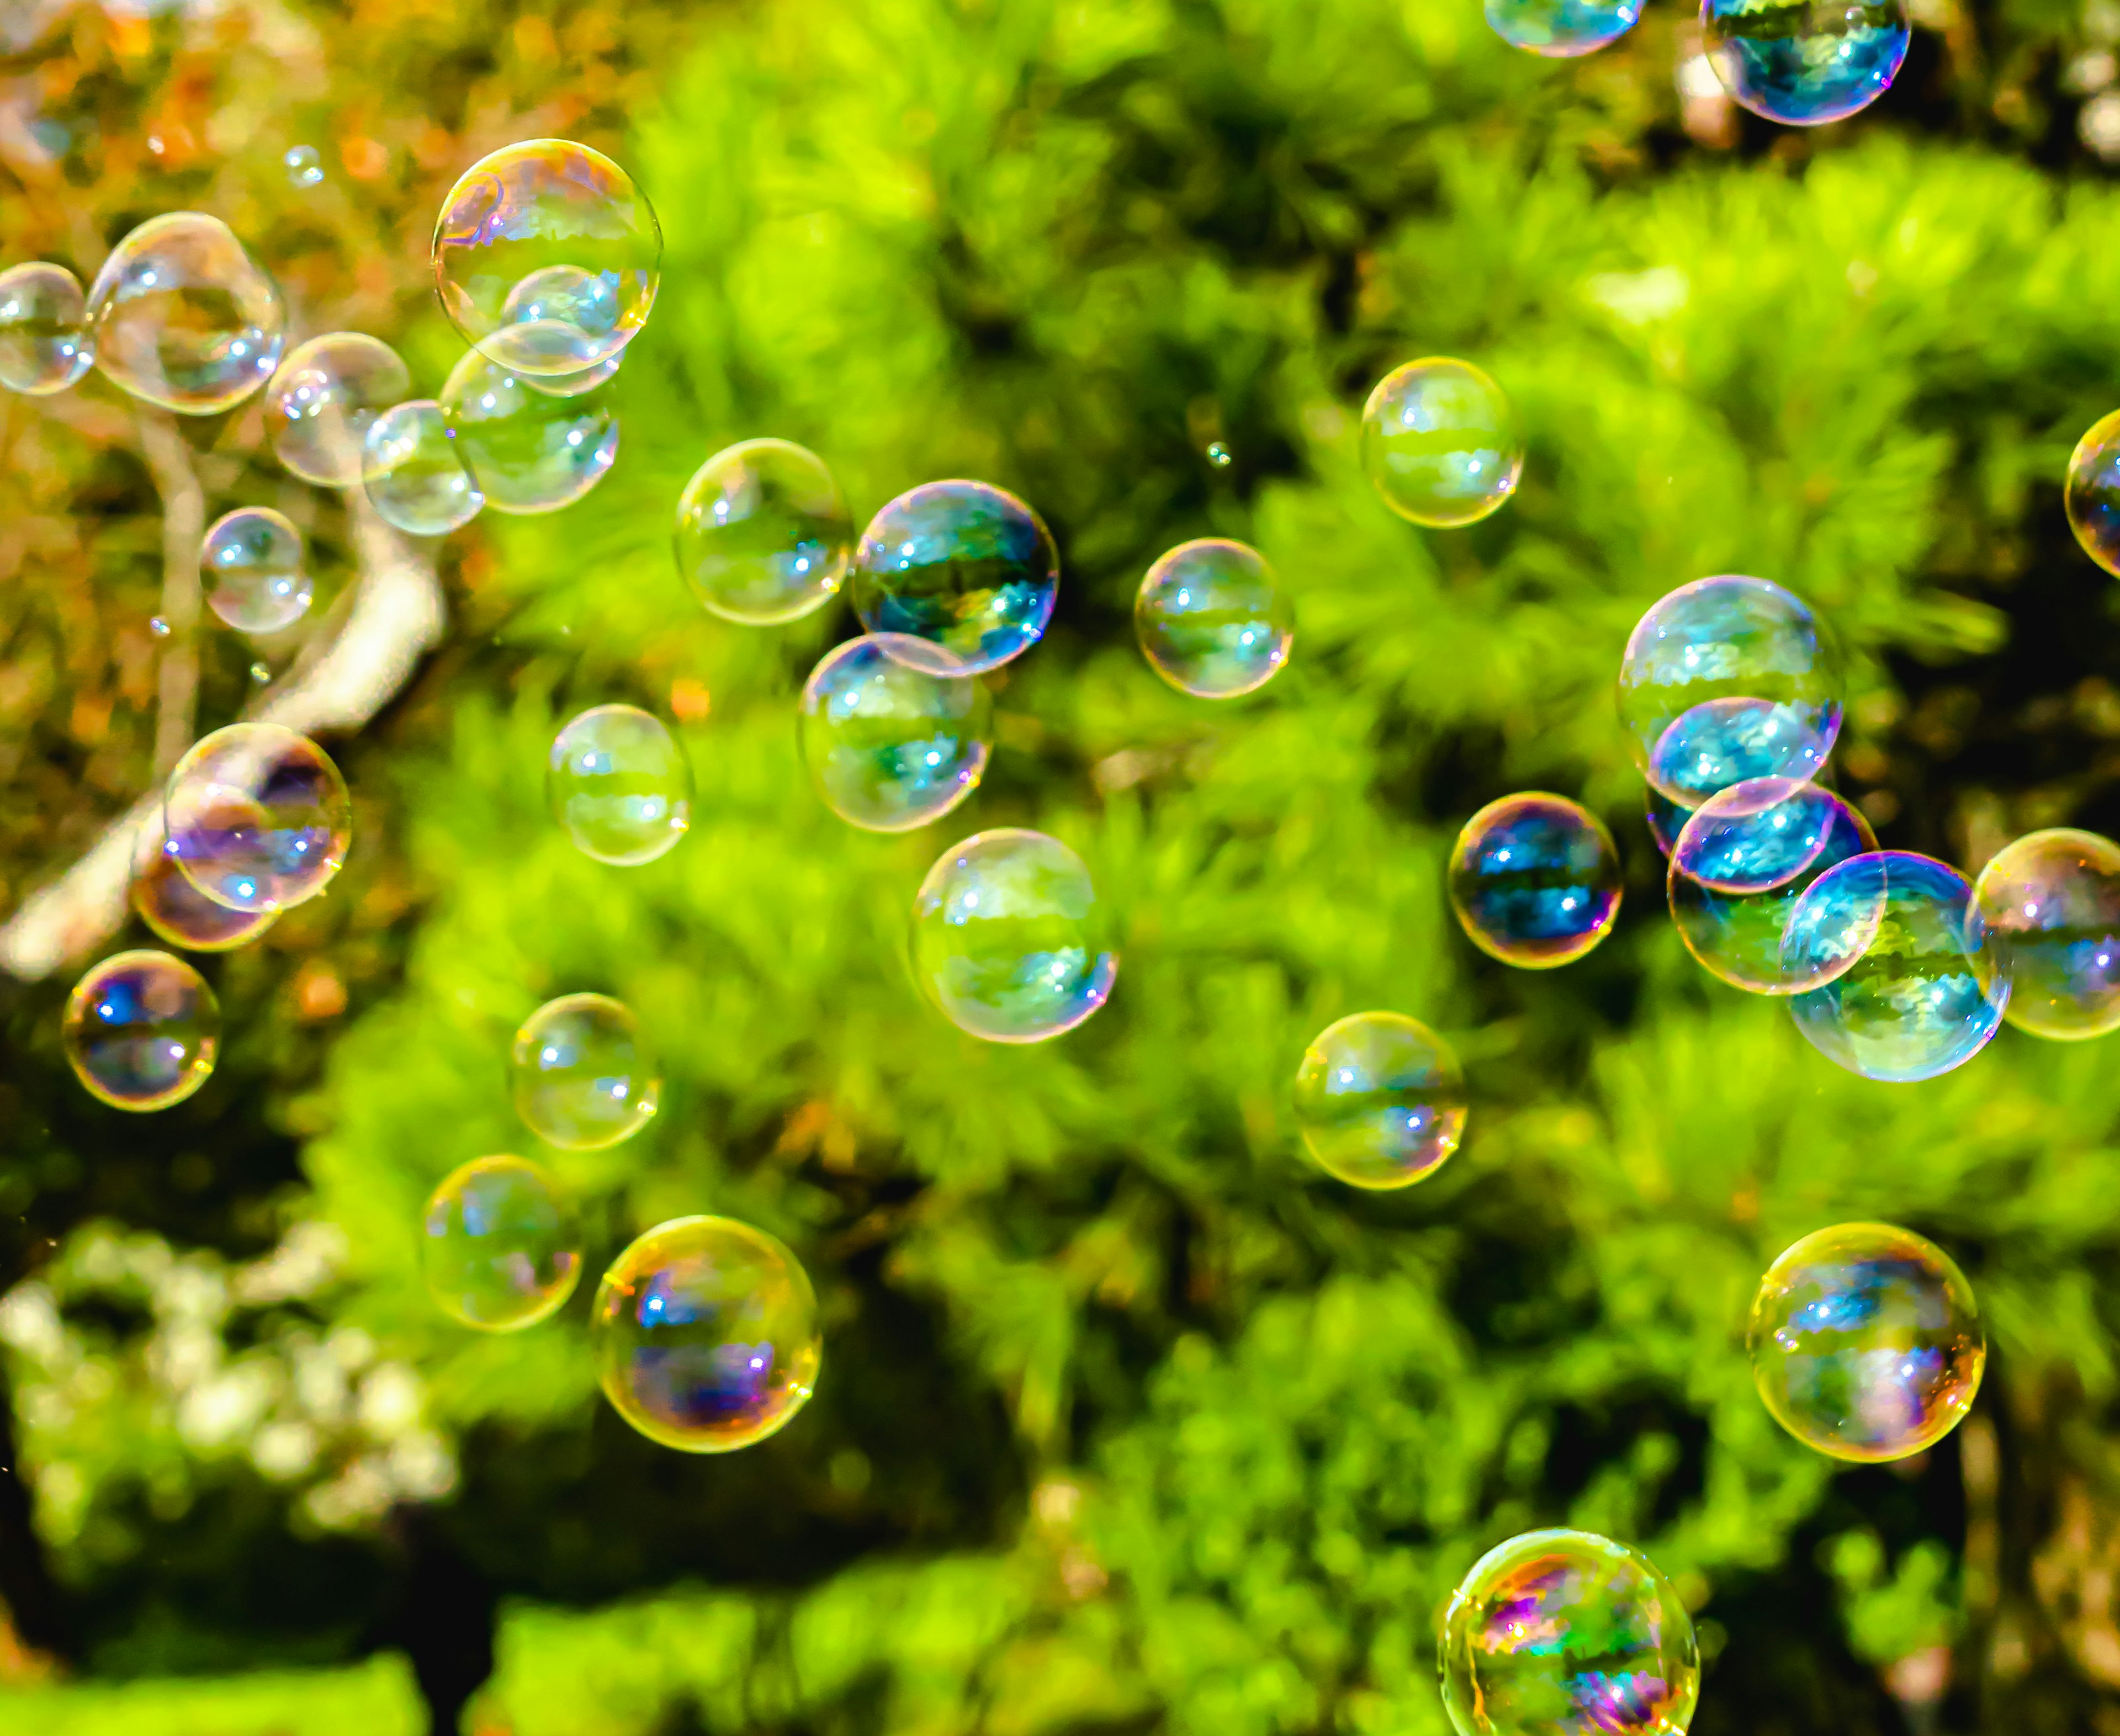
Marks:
<point>2051,904</point>
<point>1535,880</point>
<point>257,817</point>
<point>1212,619</point>
<point>1757,848</point>
<point>889,745</point>
<point>1562,29</point>
<point>965,565</point>
<point>528,449</point>
<point>764,535</point>
<point>1866,1342</point>
<point>324,398</point>
<point>142,1031</point>
<point>1804,63</point>
<point>584,1076</point>
<point>45,343</point>
<point>620,784</point>
<point>182,318</point>
<point>1917,987</point>
<point>500,1246</point>
<point>1727,679</point>
<point>177,912</point>
<point>1010,941</point>
<point>414,473</point>
<point>1567,1633</point>
<point>251,559</point>
<point>1379,1100</point>
<point>1666,818</point>
<point>2091,496</point>
<point>1440,443</point>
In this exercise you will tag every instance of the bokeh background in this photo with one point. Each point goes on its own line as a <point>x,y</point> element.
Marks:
<point>1129,1422</point>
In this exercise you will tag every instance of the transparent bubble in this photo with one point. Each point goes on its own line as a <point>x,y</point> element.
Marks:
<point>1009,940</point>
<point>573,385</point>
<point>251,559</point>
<point>620,784</point>
<point>890,745</point>
<point>500,1248</point>
<point>763,535</point>
<point>320,406</point>
<point>140,1031</point>
<point>1380,1100</point>
<point>45,342</point>
<point>1562,28</point>
<point>546,257</point>
<point>530,452</point>
<point>261,673</point>
<point>1866,1342</point>
<point>1666,818</point>
<point>414,472</point>
<point>179,912</point>
<point>1727,678</point>
<point>1535,879</point>
<point>1213,620</point>
<point>1218,455</point>
<point>304,168</point>
<point>1440,442</point>
<point>705,1335</point>
<point>1804,62</point>
<point>584,1076</point>
<point>965,566</point>
<point>1566,1633</point>
<point>257,817</point>
<point>2092,492</point>
<point>157,626</point>
<point>1745,833</point>
<point>2051,905</point>
<point>183,319</point>
<point>1915,987</point>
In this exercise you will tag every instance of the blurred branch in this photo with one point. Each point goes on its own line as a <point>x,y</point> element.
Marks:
<point>183,526</point>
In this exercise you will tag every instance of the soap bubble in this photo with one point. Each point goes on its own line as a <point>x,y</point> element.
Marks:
<point>705,1335</point>
<point>619,782</point>
<point>252,561</point>
<point>965,566</point>
<point>2051,905</point>
<point>1916,988</point>
<point>1562,28</point>
<point>501,1250</point>
<point>45,342</point>
<point>1379,1100</point>
<point>1220,456</point>
<point>183,317</point>
<point>1213,620</point>
<point>1866,1342</point>
<point>2093,494</point>
<point>304,168</point>
<point>179,912</point>
<point>1440,442</point>
<point>763,535</point>
<point>585,1078</point>
<point>1009,940</point>
<point>326,395</point>
<point>140,1031</point>
<point>1666,818</point>
<point>1535,879</point>
<point>257,817</point>
<point>1735,925</point>
<point>1804,62</point>
<point>1566,1633</point>
<point>890,745</point>
<point>546,257</point>
<point>1727,678</point>
<point>414,473</point>
<point>530,451</point>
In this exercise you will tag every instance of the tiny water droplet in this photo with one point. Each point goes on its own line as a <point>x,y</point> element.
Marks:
<point>1218,456</point>
<point>159,626</point>
<point>305,168</point>
<point>155,143</point>
<point>259,673</point>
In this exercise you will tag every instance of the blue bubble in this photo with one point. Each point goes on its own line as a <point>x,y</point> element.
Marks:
<point>965,565</point>
<point>1757,835</point>
<point>1535,880</point>
<point>1561,28</point>
<point>1804,62</point>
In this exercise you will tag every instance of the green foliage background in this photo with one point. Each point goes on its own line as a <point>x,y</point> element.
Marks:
<point>1128,1419</point>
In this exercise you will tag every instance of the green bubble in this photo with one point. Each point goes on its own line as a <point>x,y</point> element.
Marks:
<point>501,1249</point>
<point>584,1076</point>
<point>1380,1100</point>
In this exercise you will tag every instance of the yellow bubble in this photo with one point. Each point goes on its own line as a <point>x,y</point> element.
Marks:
<point>1212,619</point>
<point>2051,902</point>
<point>501,1249</point>
<point>183,319</point>
<point>1440,442</point>
<point>140,1031</point>
<point>1380,1100</point>
<point>45,341</point>
<point>326,395</point>
<point>2092,496</point>
<point>584,1077</point>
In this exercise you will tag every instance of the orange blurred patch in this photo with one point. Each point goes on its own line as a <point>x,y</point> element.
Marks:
<point>689,699</point>
<point>365,158</point>
<point>319,993</point>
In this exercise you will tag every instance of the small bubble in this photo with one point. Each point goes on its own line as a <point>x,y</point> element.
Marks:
<point>1218,456</point>
<point>155,143</point>
<point>159,626</point>
<point>305,168</point>
<point>260,674</point>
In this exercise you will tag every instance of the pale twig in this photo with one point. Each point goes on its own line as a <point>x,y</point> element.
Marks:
<point>183,526</point>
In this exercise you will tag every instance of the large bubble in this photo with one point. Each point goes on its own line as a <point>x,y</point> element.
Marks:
<point>965,565</point>
<point>2051,905</point>
<point>45,346</point>
<point>763,534</point>
<point>183,319</point>
<point>251,559</point>
<point>1212,619</point>
<point>1804,62</point>
<point>325,398</point>
<point>1535,880</point>
<point>500,1248</point>
<point>414,470</point>
<point>1440,442</point>
<point>620,784</point>
<point>529,451</point>
<point>140,1031</point>
<point>1379,1100</point>
<point>583,1075</point>
<point>891,745</point>
<point>257,817</point>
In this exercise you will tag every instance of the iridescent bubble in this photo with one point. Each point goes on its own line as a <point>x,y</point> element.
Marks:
<point>1440,442</point>
<point>1866,1342</point>
<point>304,168</point>
<point>530,451</point>
<point>1009,940</point>
<point>546,257</point>
<point>964,564</point>
<point>179,912</point>
<point>1566,1633</point>
<point>183,319</point>
<point>891,745</point>
<point>140,1031</point>
<point>2051,905</point>
<point>1379,1100</point>
<point>320,406</point>
<point>414,472</point>
<point>1727,679</point>
<point>620,784</point>
<point>1220,456</point>
<point>705,1335</point>
<point>2092,492</point>
<point>251,559</point>
<point>45,341</point>
<point>501,1249</point>
<point>1804,62</point>
<point>584,1076</point>
<point>763,535</point>
<point>1212,619</point>
<point>1535,879</point>
<point>257,817</point>
<point>1666,818</point>
<point>1761,826</point>
<point>1562,28</point>
<point>1915,986</point>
